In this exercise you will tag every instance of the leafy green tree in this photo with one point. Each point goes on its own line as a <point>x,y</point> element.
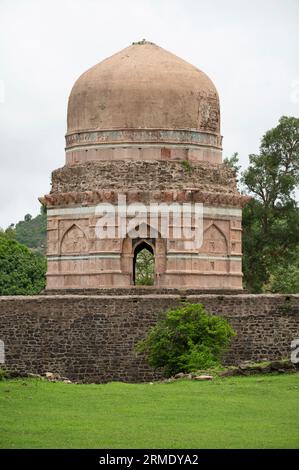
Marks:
<point>285,277</point>
<point>10,231</point>
<point>188,339</point>
<point>271,219</point>
<point>285,280</point>
<point>233,162</point>
<point>21,271</point>
<point>32,231</point>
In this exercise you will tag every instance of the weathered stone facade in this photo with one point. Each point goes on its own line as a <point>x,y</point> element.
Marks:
<point>144,125</point>
<point>92,338</point>
<point>138,175</point>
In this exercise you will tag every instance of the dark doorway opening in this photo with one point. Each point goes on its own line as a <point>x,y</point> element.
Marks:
<point>144,265</point>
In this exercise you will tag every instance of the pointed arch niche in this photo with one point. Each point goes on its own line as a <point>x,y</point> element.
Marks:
<point>131,247</point>
<point>144,263</point>
<point>214,241</point>
<point>74,241</point>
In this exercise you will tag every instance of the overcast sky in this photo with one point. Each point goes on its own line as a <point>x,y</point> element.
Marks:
<point>248,48</point>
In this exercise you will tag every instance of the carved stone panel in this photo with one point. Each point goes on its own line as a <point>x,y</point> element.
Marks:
<point>74,241</point>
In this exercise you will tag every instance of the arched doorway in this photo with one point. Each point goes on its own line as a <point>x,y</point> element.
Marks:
<point>143,264</point>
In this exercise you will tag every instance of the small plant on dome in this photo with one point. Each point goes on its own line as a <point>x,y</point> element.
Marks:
<point>187,166</point>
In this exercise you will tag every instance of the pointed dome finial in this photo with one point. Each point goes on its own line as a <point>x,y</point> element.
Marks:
<point>143,41</point>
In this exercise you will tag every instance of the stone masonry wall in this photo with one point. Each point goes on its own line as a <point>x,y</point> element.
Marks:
<point>91,338</point>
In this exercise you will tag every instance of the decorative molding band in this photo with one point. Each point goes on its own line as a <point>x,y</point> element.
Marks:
<point>86,274</point>
<point>205,257</point>
<point>139,145</point>
<point>91,210</point>
<point>203,273</point>
<point>122,137</point>
<point>146,197</point>
<point>83,257</point>
<point>117,256</point>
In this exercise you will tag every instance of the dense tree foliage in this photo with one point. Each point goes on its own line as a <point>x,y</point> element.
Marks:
<point>285,279</point>
<point>21,271</point>
<point>188,339</point>
<point>271,219</point>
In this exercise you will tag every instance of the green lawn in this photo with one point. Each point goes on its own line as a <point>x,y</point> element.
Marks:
<point>242,412</point>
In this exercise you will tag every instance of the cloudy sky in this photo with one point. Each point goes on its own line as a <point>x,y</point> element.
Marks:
<point>248,48</point>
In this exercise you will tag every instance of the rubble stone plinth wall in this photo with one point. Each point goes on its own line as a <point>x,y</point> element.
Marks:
<point>132,175</point>
<point>92,338</point>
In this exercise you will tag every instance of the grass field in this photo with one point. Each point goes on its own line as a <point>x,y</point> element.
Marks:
<point>242,412</point>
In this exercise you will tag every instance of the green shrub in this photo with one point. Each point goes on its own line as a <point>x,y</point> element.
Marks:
<point>187,166</point>
<point>188,339</point>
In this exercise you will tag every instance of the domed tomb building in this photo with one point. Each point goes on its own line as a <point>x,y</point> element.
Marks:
<point>143,129</point>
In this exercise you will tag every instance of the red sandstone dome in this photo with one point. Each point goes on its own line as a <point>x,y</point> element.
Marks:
<point>143,87</point>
